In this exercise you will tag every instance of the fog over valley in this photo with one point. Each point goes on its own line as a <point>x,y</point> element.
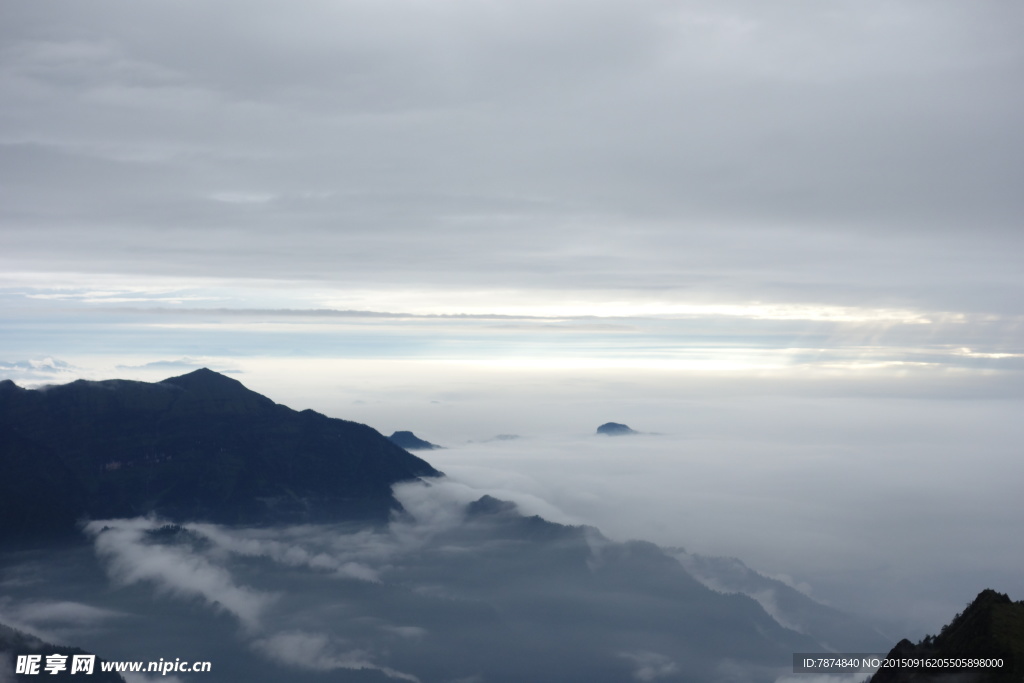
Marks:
<point>449,592</point>
<point>531,556</point>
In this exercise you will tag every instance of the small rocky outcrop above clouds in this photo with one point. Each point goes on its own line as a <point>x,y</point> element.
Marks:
<point>411,442</point>
<point>615,429</point>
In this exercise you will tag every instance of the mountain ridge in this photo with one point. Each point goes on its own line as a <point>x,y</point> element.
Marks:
<point>195,446</point>
<point>990,627</point>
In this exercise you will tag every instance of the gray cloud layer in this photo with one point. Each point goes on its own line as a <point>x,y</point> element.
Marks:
<point>851,151</point>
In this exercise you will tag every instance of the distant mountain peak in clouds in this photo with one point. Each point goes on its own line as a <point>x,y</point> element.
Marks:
<point>489,505</point>
<point>411,442</point>
<point>196,446</point>
<point>615,429</point>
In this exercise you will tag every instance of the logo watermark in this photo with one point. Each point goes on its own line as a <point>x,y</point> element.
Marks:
<point>86,664</point>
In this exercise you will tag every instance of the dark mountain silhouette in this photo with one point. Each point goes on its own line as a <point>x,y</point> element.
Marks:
<point>615,429</point>
<point>198,446</point>
<point>991,627</point>
<point>14,643</point>
<point>411,442</point>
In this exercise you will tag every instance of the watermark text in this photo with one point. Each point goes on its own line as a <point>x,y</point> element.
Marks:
<point>86,665</point>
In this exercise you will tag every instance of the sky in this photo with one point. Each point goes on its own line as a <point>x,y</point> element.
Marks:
<point>774,233</point>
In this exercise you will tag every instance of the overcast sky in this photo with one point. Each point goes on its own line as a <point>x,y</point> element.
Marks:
<point>860,154</point>
<point>794,189</point>
<point>480,217</point>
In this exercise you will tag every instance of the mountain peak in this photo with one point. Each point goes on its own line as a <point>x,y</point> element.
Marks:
<point>9,385</point>
<point>410,441</point>
<point>217,392</point>
<point>205,378</point>
<point>615,429</point>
